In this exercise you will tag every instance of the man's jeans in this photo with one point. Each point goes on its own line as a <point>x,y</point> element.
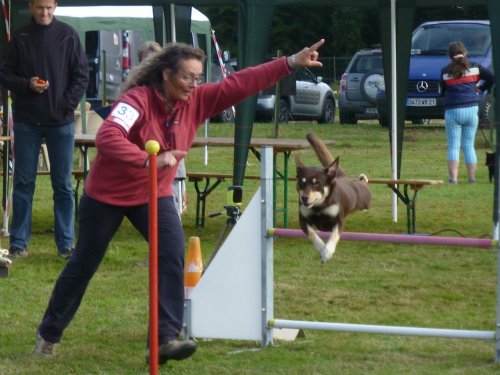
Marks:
<point>60,146</point>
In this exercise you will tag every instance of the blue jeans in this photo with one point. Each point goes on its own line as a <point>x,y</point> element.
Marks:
<point>60,146</point>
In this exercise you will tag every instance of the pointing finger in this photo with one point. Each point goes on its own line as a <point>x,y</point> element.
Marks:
<point>316,45</point>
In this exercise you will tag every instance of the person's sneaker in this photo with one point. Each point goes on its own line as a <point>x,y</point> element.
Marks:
<point>452,182</point>
<point>66,253</point>
<point>44,348</point>
<point>17,252</point>
<point>174,349</point>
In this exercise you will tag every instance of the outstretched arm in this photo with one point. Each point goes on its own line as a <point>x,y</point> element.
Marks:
<point>212,98</point>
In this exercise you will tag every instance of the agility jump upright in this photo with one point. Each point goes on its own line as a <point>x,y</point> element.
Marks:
<point>235,298</point>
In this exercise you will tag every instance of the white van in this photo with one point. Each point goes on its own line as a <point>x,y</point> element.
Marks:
<point>103,38</point>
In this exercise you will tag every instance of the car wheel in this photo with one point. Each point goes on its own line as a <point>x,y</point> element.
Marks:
<point>346,117</point>
<point>328,112</point>
<point>370,84</point>
<point>284,112</point>
<point>227,115</point>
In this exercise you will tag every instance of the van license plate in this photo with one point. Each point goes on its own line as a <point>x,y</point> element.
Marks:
<point>421,102</point>
<point>371,110</point>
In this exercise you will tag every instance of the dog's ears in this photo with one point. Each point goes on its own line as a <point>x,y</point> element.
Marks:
<point>298,162</point>
<point>332,169</point>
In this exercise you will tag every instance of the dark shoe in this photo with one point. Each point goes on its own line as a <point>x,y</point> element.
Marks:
<point>66,253</point>
<point>44,348</point>
<point>18,252</point>
<point>452,182</point>
<point>175,350</point>
<point>472,181</point>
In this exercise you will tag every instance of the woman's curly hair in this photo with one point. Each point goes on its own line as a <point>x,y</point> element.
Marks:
<point>150,71</point>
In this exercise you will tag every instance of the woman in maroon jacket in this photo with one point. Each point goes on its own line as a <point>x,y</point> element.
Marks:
<point>163,100</point>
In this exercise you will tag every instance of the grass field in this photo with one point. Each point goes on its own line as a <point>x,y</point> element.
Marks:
<point>404,285</point>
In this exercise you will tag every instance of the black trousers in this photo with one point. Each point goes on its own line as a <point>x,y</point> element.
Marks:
<point>98,222</point>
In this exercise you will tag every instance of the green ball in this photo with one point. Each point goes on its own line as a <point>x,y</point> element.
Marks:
<point>152,147</point>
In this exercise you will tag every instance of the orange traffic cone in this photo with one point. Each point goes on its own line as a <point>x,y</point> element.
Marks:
<point>194,265</point>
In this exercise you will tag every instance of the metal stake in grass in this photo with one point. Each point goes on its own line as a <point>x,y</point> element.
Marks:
<point>5,263</point>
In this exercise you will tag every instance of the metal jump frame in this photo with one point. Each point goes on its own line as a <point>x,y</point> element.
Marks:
<point>243,309</point>
<point>269,321</point>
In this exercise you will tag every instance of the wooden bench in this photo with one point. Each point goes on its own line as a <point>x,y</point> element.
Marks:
<point>203,191</point>
<point>79,176</point>
<point>410,202</point>
<point>204,185</point>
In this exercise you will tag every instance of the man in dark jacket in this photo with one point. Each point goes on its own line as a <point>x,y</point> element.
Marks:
<point>46,70</point>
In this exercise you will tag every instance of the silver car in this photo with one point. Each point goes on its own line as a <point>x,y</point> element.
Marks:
<point>312,100</point>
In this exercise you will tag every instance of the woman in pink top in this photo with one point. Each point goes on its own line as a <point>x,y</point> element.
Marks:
<point>163,100</point>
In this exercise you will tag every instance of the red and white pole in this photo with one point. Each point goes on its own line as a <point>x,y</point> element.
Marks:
<point>126,55</point>
<point>221,62</point>
<point>6,19</point>
<point>152,147</point>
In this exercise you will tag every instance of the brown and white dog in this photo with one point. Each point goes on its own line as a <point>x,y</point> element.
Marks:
<point>325,200</point>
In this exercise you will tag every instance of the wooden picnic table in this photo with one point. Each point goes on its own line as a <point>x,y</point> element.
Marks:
<point>401,187</point>
<point>279,146</point>
<point>404,195</point>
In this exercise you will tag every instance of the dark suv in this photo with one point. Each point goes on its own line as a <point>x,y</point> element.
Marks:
<point>429,54</point>
<point>358,86</point>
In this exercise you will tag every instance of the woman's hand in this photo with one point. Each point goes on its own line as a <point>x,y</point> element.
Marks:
<point>168,159</point>
<point>308,57</point>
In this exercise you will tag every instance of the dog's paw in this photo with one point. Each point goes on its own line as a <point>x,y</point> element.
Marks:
<point>326,254</point>
<point>363,177</point>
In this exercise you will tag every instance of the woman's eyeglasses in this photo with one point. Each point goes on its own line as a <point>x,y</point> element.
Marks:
<point>191,79</point>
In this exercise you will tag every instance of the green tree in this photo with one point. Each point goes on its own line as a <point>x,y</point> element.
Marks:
<point>346,29</point>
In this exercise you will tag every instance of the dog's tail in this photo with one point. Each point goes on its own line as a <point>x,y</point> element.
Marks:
<point>322,152</point>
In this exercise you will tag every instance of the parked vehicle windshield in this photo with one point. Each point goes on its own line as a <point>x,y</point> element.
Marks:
<point>435,39</point>
<point>366,63</point>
